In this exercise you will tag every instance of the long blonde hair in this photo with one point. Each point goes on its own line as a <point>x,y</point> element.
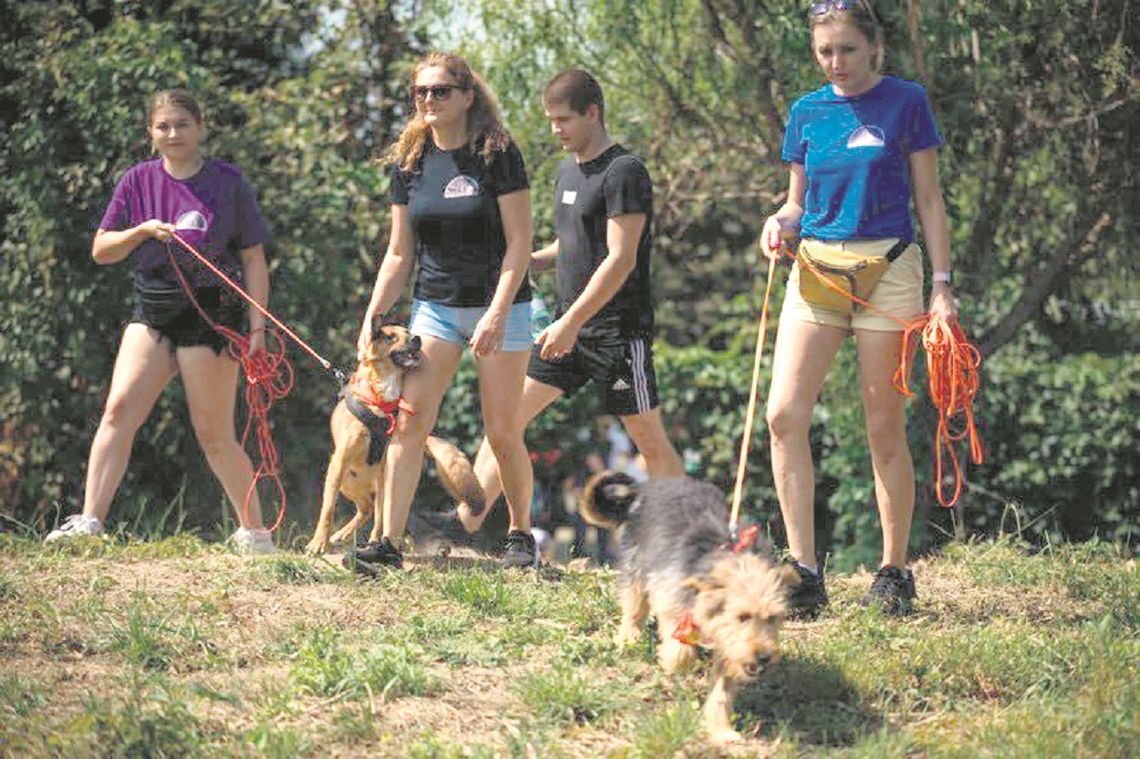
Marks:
<point>483,122</point>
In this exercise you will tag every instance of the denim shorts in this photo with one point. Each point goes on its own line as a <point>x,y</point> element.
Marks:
<point>456,324</point>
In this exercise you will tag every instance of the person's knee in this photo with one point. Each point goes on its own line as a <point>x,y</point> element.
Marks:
<point>414,428</point>
<point>502,435</point>
<point>121,416</point>
<point>215,440</point>
<point>787,420</point>
<point>657,449</point>
<point>886,435</point>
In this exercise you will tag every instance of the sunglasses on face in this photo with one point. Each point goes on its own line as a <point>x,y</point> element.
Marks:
<point>437,91</point>
<point>818,9</point>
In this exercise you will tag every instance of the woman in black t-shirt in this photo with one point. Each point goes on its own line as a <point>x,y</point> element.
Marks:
<point>461,207</point>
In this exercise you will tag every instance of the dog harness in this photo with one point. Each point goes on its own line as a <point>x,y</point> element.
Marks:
<point>360,399</point>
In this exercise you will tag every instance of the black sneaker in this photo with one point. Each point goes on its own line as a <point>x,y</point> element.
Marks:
<point>520,550</point>
<point>806,600</point>
<point>892,591</point>
<point>367,558</point>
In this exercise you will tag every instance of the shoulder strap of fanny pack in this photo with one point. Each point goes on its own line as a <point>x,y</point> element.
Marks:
<point>897,250</point>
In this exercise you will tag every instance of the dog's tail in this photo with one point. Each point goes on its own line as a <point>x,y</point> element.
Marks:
<point>607,498</point>
<point>456,474</point>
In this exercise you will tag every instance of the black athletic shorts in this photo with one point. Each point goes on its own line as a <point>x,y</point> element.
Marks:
<point>622,364</point>
<point>171,313</point>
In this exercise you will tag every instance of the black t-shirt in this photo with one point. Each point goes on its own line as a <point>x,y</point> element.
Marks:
<point>452,199</point>
<point>586,197</point>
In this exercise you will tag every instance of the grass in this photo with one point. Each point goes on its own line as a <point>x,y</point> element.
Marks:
<point>176,647</point>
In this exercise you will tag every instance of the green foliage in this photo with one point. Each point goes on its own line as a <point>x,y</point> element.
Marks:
<point>564,695</point>
<point>324,667</point>
<point>155,638</point>
<point>302,112</point>
<point>155,720</point>
<point>666,733</point>
<point>1039,113</point>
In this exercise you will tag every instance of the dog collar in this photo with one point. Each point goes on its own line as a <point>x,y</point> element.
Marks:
<point>688,632</point>
<point>746,540</point>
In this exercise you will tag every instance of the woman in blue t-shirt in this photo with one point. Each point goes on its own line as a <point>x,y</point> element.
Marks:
<point>858,149</point>
<point>461,207</point>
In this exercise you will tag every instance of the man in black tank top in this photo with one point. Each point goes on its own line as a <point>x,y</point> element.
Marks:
<point>603,324</point>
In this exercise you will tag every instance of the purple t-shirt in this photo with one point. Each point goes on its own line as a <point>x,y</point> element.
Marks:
<point>215,211</point>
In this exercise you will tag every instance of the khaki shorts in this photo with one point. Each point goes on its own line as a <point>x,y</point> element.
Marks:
<point>898,293</point>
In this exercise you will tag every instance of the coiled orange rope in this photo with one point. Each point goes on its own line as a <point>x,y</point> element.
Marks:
<point>952,363</point>
<point>269,378</point>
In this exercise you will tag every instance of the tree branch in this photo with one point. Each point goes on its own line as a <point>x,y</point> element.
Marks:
<point>1042,282</point>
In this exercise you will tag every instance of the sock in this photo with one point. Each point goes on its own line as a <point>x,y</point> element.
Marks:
<point>813,570</point>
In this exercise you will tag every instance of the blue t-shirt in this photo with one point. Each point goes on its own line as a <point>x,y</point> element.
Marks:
<point>854,151</point>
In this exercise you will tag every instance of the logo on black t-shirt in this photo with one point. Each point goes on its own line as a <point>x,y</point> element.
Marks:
<point>462,186</point>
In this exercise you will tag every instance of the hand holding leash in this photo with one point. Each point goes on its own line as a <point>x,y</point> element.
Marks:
<point>775,236</point>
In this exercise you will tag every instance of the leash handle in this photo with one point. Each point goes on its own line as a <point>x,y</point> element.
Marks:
<point>746,440</point>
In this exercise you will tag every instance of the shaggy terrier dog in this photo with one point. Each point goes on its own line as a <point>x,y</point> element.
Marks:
<point>678,564</point>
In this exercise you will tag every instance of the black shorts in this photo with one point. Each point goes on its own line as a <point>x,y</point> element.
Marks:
<point>174,317</point>
<point>622,364</point>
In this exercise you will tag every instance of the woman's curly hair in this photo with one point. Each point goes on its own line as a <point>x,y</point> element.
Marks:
<point>485,131</point>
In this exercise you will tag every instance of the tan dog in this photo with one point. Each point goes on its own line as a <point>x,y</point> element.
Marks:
<point>361,422</point>
<point>676,564</point>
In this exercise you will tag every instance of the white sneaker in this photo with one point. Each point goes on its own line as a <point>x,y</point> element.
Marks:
<point>75,526</point>
<point>249,542</point>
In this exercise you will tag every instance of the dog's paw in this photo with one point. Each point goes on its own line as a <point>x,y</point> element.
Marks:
<point>627,636</point>
<point>317,546</point>
<point>725,737</point>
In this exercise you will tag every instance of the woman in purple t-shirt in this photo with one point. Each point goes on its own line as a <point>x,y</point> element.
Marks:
<point>211,206</point>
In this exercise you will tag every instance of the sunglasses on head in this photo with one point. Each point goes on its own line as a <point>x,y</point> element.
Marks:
<point>818,9</point>
<point>437,91</point>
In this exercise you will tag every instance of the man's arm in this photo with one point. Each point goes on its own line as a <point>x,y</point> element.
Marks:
<point>623,233</point>
<point>544,258</point>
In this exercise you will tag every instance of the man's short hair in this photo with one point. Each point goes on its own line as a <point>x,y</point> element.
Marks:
<point>576,88</point>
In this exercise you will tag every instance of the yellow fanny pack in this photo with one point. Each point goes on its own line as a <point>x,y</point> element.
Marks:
<point>830,276</point>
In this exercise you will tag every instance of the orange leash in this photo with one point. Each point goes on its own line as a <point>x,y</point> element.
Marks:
<point>269,378</point>
<point>952,363</point>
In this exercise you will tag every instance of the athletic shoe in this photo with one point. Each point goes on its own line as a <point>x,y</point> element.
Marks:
<point>249,542</point>
<point>892,591</point>
<point>75,526</point>
<point>368,558</point>
<point>519,550</point>
<point>806,600</point>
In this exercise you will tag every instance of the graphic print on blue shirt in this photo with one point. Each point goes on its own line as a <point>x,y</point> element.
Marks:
<point>855,153</point>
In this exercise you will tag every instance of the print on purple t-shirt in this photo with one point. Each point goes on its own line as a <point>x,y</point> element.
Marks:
<point>215,211</point>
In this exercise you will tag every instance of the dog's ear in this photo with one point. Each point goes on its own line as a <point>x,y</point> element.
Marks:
<point>789,577</point>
